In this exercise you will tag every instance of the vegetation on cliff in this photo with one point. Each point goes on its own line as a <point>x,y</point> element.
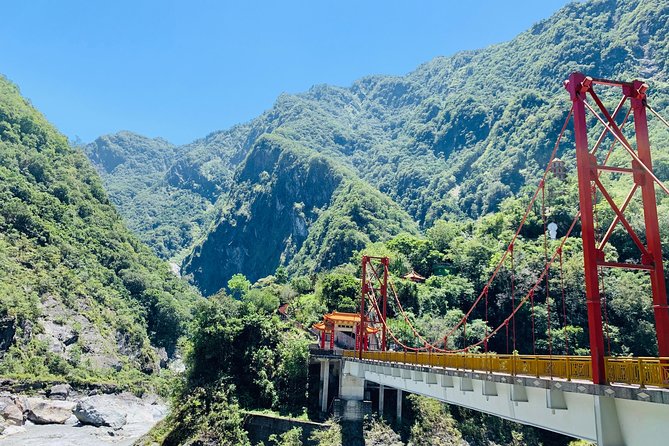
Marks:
<point>80,297</point>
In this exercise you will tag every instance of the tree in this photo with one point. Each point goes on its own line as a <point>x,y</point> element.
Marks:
<point>379,433</point>
<point>420,252</point>
<point>292,437</point>
<point>238,285</point>
<point>292,371</point>
<point>433,425</point>
<point>262,300</point>
<point>340,292</point>
<point>331,436</point>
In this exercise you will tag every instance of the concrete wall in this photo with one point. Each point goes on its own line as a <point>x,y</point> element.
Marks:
<point>260,427</point>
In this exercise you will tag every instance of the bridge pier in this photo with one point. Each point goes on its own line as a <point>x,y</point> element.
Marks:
<point>382,391</point>
<point>351,404</point>
<point>325,384</point>
<point>608,425</point>
<point>398,413</point>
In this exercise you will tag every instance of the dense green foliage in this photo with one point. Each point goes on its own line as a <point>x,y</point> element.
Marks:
<point>300,209</point>
<point>458,145</point>
<point>280,210</point>
<point>81,295</point>
<point>240,356</point>
<point>451,140</point>
<point>134,170</point>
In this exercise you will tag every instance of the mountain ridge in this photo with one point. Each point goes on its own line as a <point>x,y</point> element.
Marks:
<point>459,134</point>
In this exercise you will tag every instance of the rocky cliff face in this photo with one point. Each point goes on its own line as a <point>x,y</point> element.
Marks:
<point>282,191</point>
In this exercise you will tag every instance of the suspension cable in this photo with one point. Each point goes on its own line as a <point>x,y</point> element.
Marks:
<point>527,296</point>
<point>548,303</point>
<point>604,303</point>
<point>513,298</point>
<point>406,318</point>
<point>510,252</point>
<point>485,345</point>
<point>520,226</point>
<point>564,306</point>
<point>372,298</point>
<point>657,115</point>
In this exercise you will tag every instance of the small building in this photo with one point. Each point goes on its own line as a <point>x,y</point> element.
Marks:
<point>558,168</point>
<point>414,277</point>
<point>283,311</point>
<point>342,328</point>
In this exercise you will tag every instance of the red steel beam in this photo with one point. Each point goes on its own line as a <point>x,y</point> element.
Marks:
<point>615,169</point>
<point>384,295</point>
<point>623,220</point>
<point>363,292</point>
<point>577,86</point>
<point>625,265</point>
<point>606,130</point>
<point>616,219</point>
<point>637,94</point>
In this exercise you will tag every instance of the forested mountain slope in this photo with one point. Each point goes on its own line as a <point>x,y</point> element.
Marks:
<point>80,296</point>
<point>291,202</point>
<point>134,169</point>
<point>452,139</point>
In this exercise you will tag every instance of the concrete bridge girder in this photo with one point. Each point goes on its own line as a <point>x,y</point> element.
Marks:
<point>607,418</point>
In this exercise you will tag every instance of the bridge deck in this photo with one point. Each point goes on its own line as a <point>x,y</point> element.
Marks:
<point>629,371</point>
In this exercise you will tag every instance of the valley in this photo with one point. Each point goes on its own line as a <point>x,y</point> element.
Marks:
<point>186,282</point>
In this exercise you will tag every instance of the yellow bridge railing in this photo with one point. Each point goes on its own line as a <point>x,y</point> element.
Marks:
<point>633,371</point>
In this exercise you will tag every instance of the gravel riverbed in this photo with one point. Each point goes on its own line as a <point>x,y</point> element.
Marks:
<point>107,419</point>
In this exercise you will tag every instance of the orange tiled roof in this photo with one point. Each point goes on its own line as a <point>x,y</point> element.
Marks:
<point>337,316</point>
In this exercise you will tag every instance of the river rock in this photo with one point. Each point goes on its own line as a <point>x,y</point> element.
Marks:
<point>12,430</point>
<point>59,392</point>
<point>49,412</point>
<point>11,410</point>
<point>12,415</point>
<point>98,412</point>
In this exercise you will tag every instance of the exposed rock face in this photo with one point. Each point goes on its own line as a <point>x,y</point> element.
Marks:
<point>7,331</point>
<point>49,412</point>
<point>59,392</point>
<point>284,192</point>
<point>97,411</point>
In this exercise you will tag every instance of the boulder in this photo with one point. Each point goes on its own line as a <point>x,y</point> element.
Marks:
<point>49,412</point>
<point>11,411</point>
<point>59,392</point>
<point>12,414</point>
<point>162,357</point>
<point>11,430</point>
<point>98,412</point>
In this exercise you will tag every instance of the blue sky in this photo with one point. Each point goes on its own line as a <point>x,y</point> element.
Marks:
<point>182,69</point>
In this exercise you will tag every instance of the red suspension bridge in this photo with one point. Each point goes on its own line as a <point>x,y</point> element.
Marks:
<point>612,400</point>
<point>376,285</point>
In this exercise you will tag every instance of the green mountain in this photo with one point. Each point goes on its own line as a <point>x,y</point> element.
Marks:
<point>450,140</point>
<point>80,296</point>
<point>290,202</point>
<point>134,170</point>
